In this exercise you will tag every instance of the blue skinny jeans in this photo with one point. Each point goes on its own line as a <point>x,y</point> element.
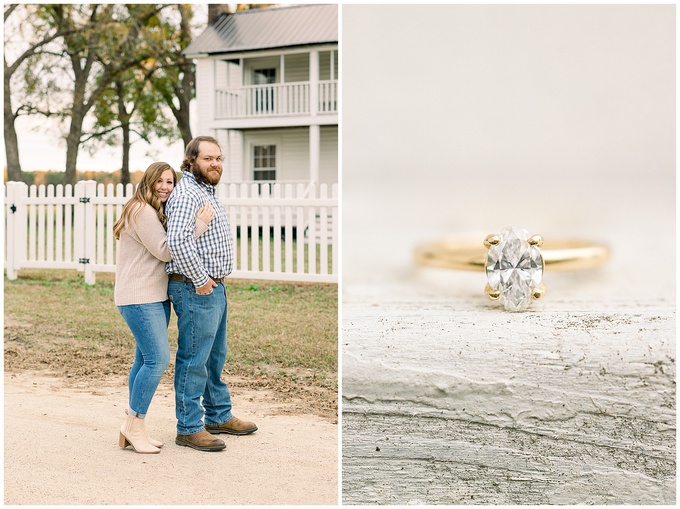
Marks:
<point>149,325</point>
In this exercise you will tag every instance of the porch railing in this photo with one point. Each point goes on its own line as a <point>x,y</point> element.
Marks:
<point>276,99</point>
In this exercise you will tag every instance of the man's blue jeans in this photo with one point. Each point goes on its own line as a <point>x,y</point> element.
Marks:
<point>149,325</point>
<point>201,354</point>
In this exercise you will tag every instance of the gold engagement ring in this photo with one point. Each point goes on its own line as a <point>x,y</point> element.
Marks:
<point>514,262</point>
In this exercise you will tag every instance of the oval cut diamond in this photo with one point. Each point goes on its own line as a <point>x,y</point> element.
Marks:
<point>514,268</point>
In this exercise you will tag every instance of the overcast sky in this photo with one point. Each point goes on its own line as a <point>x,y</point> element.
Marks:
<point>47,151</point>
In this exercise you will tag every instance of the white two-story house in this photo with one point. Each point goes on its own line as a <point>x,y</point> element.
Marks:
<point>267,90</point>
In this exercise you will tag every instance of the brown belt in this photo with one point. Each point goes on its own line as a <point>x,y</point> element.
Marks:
<point>183,279</point>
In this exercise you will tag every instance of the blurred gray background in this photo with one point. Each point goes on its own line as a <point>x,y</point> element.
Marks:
<point>460,119</point>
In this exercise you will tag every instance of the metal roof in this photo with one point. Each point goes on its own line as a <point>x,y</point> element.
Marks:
<point>271,27</point>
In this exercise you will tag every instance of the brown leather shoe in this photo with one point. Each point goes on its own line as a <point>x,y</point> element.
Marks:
<point>233,426</point>
<point>202,441</point>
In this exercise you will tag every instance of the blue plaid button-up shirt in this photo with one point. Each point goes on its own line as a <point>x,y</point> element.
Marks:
<point>210,255</point>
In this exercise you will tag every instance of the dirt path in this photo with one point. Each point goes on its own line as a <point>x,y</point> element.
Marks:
<point>61,447</point>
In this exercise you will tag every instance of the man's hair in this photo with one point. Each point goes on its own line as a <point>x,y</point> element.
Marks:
<point>191,152</point>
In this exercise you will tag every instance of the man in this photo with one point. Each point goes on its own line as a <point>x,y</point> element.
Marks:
<point>196,289</point>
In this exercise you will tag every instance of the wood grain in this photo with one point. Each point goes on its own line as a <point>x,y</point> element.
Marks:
<point>450,403</point>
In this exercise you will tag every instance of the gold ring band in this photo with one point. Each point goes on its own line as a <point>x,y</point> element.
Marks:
<point>514,262</point>
<point>557,255</point>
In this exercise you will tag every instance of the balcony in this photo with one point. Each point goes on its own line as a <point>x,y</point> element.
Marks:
<point>276,100</point>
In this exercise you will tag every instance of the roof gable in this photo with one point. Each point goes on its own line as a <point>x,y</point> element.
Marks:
<point>272,27</point>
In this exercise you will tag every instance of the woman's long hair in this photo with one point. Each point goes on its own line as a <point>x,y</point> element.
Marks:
<point>145,195</point>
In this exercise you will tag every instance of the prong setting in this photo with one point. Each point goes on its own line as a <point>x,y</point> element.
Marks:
<point>535,240</point>
<point>492,240</point>
<point>538,293</point>
<point>491,293</point>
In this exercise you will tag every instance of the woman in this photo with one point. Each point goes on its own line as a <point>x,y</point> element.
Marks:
<point>141,293</point>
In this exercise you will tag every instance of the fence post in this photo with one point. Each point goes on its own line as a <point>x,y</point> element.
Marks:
<point>15,236</point>
<point>336,231</point>
<point>85,231</point>
<point>90,231</point>
<point>254,229</point>
<point>21,225</point>
<point>10,241</point>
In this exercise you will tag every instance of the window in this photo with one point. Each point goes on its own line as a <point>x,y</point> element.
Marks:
<point>264,76</point>
<point>264,96</point>
<point>264,162</point>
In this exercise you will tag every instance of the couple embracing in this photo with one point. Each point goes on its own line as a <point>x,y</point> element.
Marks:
<point>176,247</point>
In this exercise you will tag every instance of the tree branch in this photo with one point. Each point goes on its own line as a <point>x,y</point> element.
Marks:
<point>100,133</point>
<point>9,10</point>
<point>33,50</point>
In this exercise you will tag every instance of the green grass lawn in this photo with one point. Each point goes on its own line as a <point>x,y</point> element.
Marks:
<point>282,336</point>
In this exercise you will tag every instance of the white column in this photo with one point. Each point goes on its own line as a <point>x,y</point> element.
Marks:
<point>222,137</point>
<point>313,82</point>
<point>244,101</point>
<point>314,153</point>
<point>240,157</point>
<point>206,90</point>
<point>281,95</point>
<point>314,130</point>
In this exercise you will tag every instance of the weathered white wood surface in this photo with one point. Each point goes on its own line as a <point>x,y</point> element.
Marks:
<point>559,119</point>
<point>447,403</point>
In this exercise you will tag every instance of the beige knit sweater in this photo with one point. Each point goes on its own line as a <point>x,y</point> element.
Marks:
<point>142,253</point>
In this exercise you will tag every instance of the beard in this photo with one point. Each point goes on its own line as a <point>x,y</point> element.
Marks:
<point>208,177</point>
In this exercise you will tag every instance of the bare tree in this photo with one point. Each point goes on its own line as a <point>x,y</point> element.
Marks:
<point>98,54</point>
<point>175,76</point>
<point>131,105</point>
<point>122,62</point>
<point>26,58</point>
<point>94,44</point>
<point>136,101</point>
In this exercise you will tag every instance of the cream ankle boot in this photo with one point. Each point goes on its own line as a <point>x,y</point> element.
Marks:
<point>155,443</point>
<point>132,433</point>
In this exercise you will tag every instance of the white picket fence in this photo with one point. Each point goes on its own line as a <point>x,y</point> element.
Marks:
<point>290,234</point>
